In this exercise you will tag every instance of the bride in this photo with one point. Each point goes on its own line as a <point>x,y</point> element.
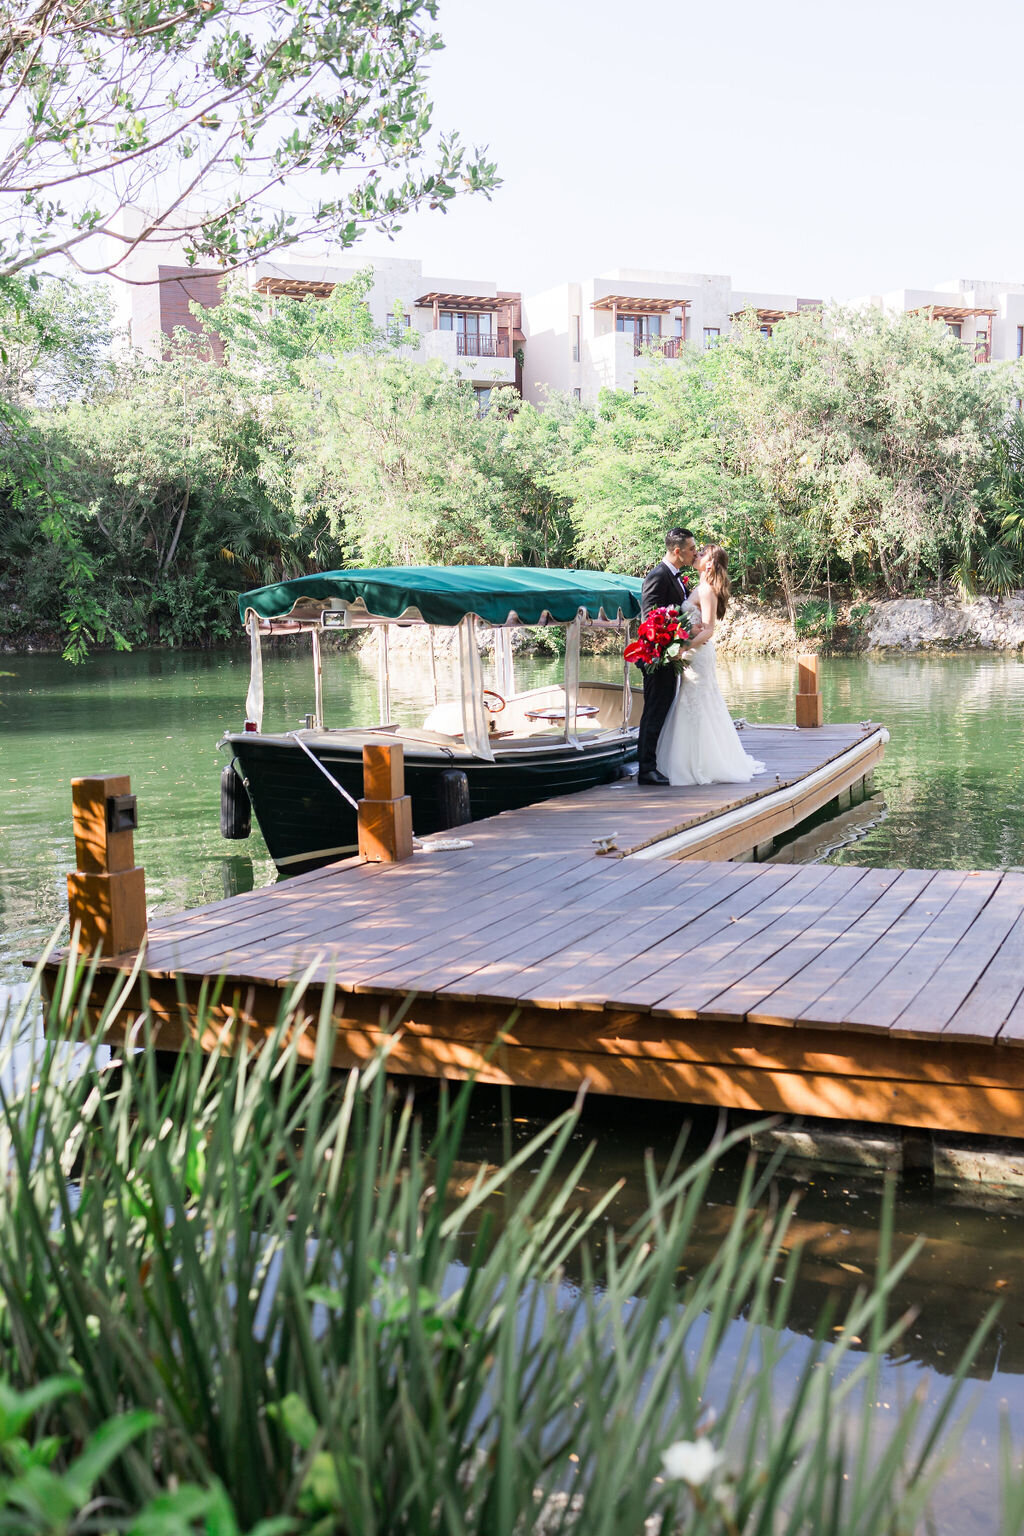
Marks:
<point>698,743</point>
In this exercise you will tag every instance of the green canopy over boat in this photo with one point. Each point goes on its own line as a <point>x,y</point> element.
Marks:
<point>445,594</point>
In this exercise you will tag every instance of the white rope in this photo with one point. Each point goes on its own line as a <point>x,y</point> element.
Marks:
<point>294,735</point>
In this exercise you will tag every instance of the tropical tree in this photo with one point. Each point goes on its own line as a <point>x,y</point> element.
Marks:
<point>868,430</point>
<point>272,340</point>
<point>202,112</point>
<point>655,458</point>
<point>401,464</point>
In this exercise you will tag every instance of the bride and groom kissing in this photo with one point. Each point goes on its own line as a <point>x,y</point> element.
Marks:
<point>686,732</point>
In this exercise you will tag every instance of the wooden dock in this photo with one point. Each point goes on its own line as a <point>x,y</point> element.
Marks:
<point>849,992</point>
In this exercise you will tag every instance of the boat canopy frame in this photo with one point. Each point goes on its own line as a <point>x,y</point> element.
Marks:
<point>444,597</point>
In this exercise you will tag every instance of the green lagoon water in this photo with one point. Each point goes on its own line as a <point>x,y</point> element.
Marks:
<point>951,786</point>
<point>950,794</point>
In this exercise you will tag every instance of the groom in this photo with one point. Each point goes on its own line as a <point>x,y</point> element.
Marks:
<point>663,588</point>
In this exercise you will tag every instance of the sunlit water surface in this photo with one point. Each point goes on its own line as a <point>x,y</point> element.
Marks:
<point>950,795</point>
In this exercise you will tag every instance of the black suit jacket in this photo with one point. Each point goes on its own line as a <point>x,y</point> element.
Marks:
<point>661,589</point>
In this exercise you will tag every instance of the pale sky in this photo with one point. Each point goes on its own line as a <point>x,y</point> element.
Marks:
<point>822,149</point>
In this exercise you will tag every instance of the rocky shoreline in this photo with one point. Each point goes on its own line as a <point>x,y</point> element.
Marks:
<point>905,624</point>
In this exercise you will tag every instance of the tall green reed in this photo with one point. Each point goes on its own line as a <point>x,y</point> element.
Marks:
<point>285,1272</point>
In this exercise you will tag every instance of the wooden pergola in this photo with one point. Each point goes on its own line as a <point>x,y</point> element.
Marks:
<point>465,303</point>
<point>956,314</point>
<point>294,287</point>
<point>766,318</point>
<point>629,304</point>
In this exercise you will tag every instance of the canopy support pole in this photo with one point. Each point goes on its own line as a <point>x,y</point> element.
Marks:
<point>383,676</point>
<point>571,679</point>
<point>504,671</point>
<point>318,682</point>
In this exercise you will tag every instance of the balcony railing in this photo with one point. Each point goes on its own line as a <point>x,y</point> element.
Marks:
<point>982,350</point>
<point>667,346</point>
<point>469,345</point>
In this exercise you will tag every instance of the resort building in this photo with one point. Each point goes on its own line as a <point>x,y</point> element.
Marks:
<point>986,316</point>
<point>600,333</point>
<point>577,338</point>
<point>471,325</point>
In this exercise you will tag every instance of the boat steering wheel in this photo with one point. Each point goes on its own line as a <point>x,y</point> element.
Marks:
<point>494,709</point>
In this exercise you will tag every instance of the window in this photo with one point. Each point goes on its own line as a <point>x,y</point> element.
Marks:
<point>712,334</point>
<point>465,325</point>
<point>483,398</point>
<point>577,394</point>
<point>679,326</point>
<point>766,330</point>
<point>1020,341</point>
<point>954,328</point>
<point>397,324</point>
<point>576,338</point>
<point>639,326</point>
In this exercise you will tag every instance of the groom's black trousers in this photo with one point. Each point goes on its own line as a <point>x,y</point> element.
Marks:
<point>659,691</point>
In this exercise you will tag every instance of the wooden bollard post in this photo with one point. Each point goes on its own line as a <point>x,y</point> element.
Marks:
<point>809,710</point>
<point>107,893</point>
<point>385,812</point>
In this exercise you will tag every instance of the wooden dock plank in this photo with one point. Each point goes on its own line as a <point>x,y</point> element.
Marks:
<point>750,940</point>
<point>834,1005</point>
<point>880,1007</point>
<point>572,974</point>
<point>644,981</point>
<point>746,997</point>
<point>794,1001</point>
<point>935,1004</point>
<point>487,970</point>
<point>348,950</point>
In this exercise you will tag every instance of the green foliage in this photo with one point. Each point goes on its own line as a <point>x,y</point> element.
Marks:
<point>815,619</point>
<point>847,452</point>
<point>867,430</point>
<point>106,102</point>
<point>307,1308</point>
<point>275,340</point>
<point>849,442</point>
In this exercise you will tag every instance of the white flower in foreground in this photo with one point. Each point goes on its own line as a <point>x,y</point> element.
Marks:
<point>692,1461</point>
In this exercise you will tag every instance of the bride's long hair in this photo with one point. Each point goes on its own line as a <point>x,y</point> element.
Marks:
<point>717,577</point>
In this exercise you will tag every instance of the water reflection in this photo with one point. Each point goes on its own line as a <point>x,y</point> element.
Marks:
<point>970,1260</point>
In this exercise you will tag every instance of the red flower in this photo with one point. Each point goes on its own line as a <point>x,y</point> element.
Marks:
<point>661,628</point>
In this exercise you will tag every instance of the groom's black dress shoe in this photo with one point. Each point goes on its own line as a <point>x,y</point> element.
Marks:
<point>654,777</point>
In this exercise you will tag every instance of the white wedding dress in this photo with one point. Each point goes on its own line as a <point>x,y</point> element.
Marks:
<point>699,743</point>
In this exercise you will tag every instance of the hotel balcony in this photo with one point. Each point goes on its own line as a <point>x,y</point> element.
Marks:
<point>477,334</point>
<point>954,317</point>
<point>468,345</point>
<point>661,346</point>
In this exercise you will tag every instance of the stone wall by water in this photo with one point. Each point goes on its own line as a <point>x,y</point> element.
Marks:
<point>930,624</point>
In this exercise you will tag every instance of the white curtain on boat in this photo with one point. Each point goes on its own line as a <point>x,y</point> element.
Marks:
<point>572,679</point>
<point>504,675</point>
<point>254,698</point>
<point>471,672</point>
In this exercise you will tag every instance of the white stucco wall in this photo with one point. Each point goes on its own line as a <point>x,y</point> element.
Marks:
<point>548,328</point>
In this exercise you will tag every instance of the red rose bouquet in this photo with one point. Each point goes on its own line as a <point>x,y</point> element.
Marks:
<point>661,640</point>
